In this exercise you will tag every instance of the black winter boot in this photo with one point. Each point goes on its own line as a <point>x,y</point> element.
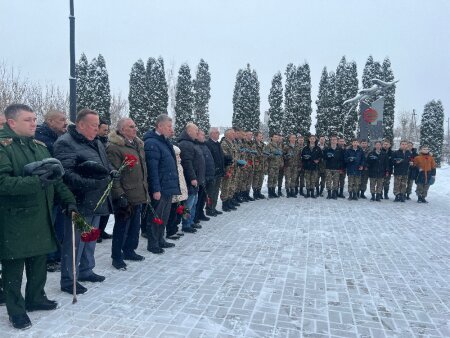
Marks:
<point>350,196</point>
<point>231,205</point>
<point>386,191</point>
<point>402,198</point>
<point>407,197</point>
<point>288,193</point>
<point>296,191</point>
<point>373,198</point>
<point>302,193</point>
<point>226,206</point>
<point>312,194</point>
<point>308,194</point>
<point>341,193</point>
<point>321,190</point>
<point>378,197</point>
<point>334,194</point>
<point>317,192</point>
<point>293,194</point>
<point>235,201</point>
<point>280,194</point>
<point>329,195</point>
<point>397,198</point>
<point>362,195</point>
<point>355,196</point>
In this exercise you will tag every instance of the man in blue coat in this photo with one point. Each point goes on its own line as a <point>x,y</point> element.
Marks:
<point>162,181</point>
<point>354,162</point>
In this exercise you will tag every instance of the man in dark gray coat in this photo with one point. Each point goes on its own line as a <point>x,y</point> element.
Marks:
<point>213,188</point>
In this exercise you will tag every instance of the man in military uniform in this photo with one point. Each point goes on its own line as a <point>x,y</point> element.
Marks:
<point>300,180</point>
<point>311,155</point>
<point>321,175</point>
<point>228,181</point>
<point>387,179</point>
<point>291,158</point>
<point>241,163</point>
<point>412,172</point>
<point>274,156</point>
<point>401,160</point>
<point>354,161</point>
<point>334,163</point>
<point>259,163</point>
<point>29,183</point>
<point>250,167</point>
<point>281,172</point>
<point>365,173</point>
<point>341,144</point>
<point>377,163</point>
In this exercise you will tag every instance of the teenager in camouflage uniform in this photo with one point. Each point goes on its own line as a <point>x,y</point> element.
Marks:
<point>412,172</point>
<point>291,158</point>
<point>259,163</point>
<point>228,181</point>
<point>401,160</point>
<point>354,163</point>
<point>426,167</point>
<point>311,155</point>
<point>250,167</point>
<point>342,173</point>
<point>365,173</point>
<point>321,175</point>
<point>241,163</point>
<point>387,179</point>
<point>281,172</point>
<point>274,156</point>
<point>300,180</point>
<point>333,157</point>
<point>377,163</point>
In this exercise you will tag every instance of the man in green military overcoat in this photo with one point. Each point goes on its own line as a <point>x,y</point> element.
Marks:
<point>26,202</point>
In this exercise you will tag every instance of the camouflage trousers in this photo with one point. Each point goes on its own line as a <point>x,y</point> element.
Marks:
<point>364,180</point>
<point>311,178</point>
<point>341,179</point>
<point>332,179</point>
<point>321,178</point>
<point>354,183</point>
<point>272,176</point>
<point>300,179</point>
<point>376,185</point>
<point>290,173</point>
<point>400,184</point>
<point>409,186</point>
<point>422,189</point>
<point>249,176</point>
<point>387,182</point>
<point>258,177</point>
<point>240,180</point>
<point>228,186</point>
<point>280,177</point>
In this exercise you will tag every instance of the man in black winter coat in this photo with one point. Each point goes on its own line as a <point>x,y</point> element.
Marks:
<point>412,173</point>
<point>401,160</point>
<point>387,179</point>
<point>334,164</point>
<point>212,189</point>
<point>377,164</point>
<point>311,155</point>
<point>194,171</point>
<point>78,146</point>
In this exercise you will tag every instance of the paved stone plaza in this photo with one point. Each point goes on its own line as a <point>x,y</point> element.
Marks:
<point>278,268</point>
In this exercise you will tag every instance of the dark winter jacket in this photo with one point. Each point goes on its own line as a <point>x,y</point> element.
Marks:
<point>389,156</point>
<point>26,226</point>
<point>334,158</point>
<point>45,134</point>
<point>161,165</point>
<point>72,149</point>
<point>412,173</point>
<point>217,153</point>
<point>309,156</point>
<point>354,160</point>
<point>133,181</point>
<point>192,161</point>
<point>377,164</point>
<point>209,162</point>
<point>400,162</point>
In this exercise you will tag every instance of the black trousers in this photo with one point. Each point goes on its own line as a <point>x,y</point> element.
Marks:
<point>200,202</point>
<point>174,221</point>
<point>212,193</point>
<point>155,232</point>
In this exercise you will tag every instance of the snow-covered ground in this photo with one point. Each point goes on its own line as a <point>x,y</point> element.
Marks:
<point>277,268</point>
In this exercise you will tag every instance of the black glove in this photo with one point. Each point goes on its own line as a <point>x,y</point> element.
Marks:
<point>48,165</point>
<point>70,209</point>
<point>92,169</point>
<point>115,174</point>
<point>228,160</point>
<point>47,180</point>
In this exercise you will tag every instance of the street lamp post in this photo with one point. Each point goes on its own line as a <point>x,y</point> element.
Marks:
<point>73,77</point>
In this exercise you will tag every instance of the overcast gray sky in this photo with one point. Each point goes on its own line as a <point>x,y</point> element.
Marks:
<point>228,34</point>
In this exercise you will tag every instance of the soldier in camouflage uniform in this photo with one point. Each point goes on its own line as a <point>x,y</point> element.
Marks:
<point>291,159</point>
<point>241,162</point>
<point>401,160</point>
<point>321,176</point>
<point>387,179</point>
<point>274,157</point>
<point>311,155</point>
<point>354,163</point>
<point>281,170</point>
<point>259,166</point>
<point>228,181</point>
<point>250,167</point>
<point>341,144</point>
<point>365,173</point>
<point>300,180</point>
<point>334,163</point>
<point>377,163</point>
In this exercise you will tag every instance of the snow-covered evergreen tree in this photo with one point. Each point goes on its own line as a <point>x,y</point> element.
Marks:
<point>275,103</point>
<point>323,105</point>
<point>389,100</point>
<point>84,85</point>
<point>372,70</point>
<point>291,101</point>
<point>101,89</point>
<point>137,97</point>
<point>184,99</point>
<point>333,110</point>
<point>432,128</point>
<point>246,100</point>
<point>304,88</point>
<point>202,88</point>
<point>156,89</point>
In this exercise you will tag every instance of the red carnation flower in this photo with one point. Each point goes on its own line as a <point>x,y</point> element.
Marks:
<point>130,160</point>
<point>85,237</point>
<point>180,210</point>
<point>158,221</point>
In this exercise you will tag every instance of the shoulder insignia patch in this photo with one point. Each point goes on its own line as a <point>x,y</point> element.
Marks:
<point>6,141</point>
<point>39,142</point>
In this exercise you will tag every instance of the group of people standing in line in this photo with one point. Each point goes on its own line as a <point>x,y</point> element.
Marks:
<point>50,172</point>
